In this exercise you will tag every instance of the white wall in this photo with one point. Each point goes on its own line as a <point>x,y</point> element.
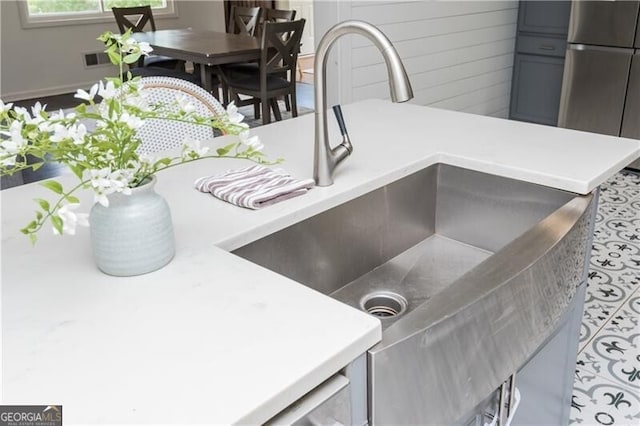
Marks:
<point>45,61</point>
<point>458,54</point>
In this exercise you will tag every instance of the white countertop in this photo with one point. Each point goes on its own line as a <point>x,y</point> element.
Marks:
<point>211,338</point>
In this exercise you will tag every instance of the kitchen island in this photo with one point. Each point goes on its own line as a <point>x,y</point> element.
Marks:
<point>212,338</point>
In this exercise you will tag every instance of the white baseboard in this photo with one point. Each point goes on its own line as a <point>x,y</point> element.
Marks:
<point>41,93</point>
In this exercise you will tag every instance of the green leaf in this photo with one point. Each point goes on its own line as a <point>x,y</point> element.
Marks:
<point>44,204</point>
<point>33,238</point>
<point>104,36</point>
<point>30,227</point>
<point>72,200</point>
<point>77,170</point>
<point>226,149</point>
<point>131,58</point>
<point>36,166</point>
<point>53,186</point>
<point>57,223</point>
<point>114,57</point>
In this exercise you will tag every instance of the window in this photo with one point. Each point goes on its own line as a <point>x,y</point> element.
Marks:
<point>44,13</point>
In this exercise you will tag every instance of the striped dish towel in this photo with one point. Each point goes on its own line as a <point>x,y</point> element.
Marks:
<point>254,186</point>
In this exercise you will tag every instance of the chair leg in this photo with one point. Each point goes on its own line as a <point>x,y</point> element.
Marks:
<point>287,103</point>
<point>215,92</point>
<point>225,94</point>
<point>294,103</point>
<point>256,109</point>
<point>266,114</point>
<point>276,109</point>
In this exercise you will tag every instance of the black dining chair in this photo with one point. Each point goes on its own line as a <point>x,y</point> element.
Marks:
<point>136,19</point>
<point>280,45</point>
<point>276,15</point>
<point>252,68</point>
<point>244,20</point>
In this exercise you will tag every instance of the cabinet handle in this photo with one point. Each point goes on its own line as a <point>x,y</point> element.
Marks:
<point>547,47</point>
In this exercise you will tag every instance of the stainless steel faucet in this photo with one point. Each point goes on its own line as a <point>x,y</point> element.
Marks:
<point>327,158</point>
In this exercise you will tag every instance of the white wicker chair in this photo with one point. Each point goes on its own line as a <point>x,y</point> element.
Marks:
<point>161,135</point>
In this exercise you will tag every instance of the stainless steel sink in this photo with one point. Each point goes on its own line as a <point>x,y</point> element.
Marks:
<point>469,273</point>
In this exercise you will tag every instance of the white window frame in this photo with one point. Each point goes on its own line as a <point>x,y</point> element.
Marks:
<point>80,18</point>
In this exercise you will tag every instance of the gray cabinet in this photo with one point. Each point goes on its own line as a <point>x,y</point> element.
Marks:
<point>539,61</point>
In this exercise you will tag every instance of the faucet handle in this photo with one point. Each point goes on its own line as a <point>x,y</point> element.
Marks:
<point>337,110</point>
<point>346,142</point>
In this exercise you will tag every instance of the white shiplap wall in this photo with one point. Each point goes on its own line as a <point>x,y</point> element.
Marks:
<point>458,54</point>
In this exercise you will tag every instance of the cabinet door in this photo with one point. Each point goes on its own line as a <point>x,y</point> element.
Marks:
<point>546,17</point>
<point>536,87</point>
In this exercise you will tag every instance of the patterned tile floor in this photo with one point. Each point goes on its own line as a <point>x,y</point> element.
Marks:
<point>607,378</point>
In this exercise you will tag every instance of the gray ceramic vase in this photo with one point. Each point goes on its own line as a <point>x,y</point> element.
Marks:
<point>134,235</point>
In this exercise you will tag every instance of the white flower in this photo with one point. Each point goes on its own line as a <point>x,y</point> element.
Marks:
<point>105,182</point>
<point>132,121</point>
<point>251,141</point>
<point>133,46</point>
<point>5,107</point>
<point>233,114</point>
<point>77,133</point>
<point>101,186</point>
<point>37,111</point>
<point>107,91</point>
<point>192,148</point>
<point>138,101</point>
<point>147,158</point>
<point>60,133</point>
<point>13,144</point>
<point>129,45</point>
<point>70,219</point>
<point>82,94</point>
<point>22,113</point>
<point>185,104</point>
<point>120,180</point>
<point>145,48</point>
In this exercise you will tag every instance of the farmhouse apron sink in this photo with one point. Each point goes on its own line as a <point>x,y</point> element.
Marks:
<point>469,273</point>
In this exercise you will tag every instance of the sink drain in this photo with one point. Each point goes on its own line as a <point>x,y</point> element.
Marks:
<point>384,304</point>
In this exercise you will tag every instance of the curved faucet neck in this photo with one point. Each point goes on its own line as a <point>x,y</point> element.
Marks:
<point>327,158</point>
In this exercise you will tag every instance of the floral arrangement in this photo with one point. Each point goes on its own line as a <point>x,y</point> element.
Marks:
<point>105,159</point>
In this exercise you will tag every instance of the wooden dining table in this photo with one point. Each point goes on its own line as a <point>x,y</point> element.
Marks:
<point>208,48</point>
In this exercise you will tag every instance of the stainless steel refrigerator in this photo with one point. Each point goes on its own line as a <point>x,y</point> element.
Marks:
<point>601,80</point>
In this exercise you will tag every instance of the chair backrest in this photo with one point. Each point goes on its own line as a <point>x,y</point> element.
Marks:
<point>160,135</point>
<point>135,18</point>
<point>244,20</point>
<point>276,15</point>
<point>280,46</point>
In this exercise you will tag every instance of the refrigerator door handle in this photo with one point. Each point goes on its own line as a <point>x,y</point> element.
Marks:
<point>590,47</point>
